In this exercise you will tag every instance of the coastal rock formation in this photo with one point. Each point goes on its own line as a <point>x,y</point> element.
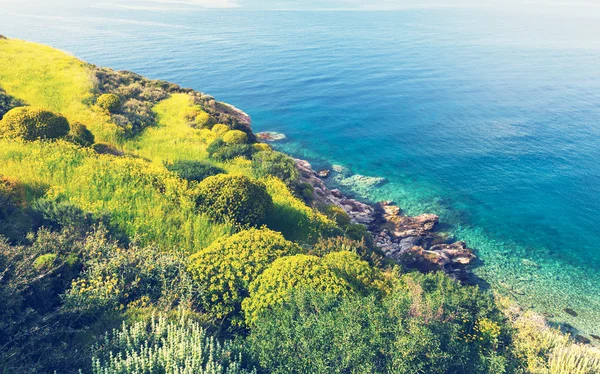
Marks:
<point>270,136</point>
<point>411,241</point>
<point>359,212</point>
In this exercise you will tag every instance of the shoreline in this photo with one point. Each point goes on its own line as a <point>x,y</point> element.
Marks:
<point>416,243</point>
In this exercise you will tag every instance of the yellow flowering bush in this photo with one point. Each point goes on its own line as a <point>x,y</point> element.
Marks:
<point>30,124</point>
<point>235,137</point>
<point>274,285</point>
<point>109,102</point>
<point>225,269</point>
<point>220,129</point>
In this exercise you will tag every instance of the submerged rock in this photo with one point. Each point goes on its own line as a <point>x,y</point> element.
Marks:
<point>323,173</point>
<point>270,136</point>
<point>571,312</point>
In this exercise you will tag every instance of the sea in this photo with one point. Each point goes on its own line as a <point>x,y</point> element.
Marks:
<point>488,117</point>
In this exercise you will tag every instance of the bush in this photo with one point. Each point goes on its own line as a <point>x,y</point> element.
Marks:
<point>163,346</point>
<point>30,124</point>
<point>234,198</point>
<point>220,129</point>
<point>262,147</point>
<point>319,333</point>
<point>274,285</point>
<point>235,137</point>
<point>106,149</point>
<point>339,243</point>
<point>109,102</point>
<point>220,151</point>
<point>275,164</point>
<point>12,196</point>
<point>188,114</point>
<point>337,214</point>
<point>225,269</point>
<point>203,120</point>
<point>81,135</point>
<point>363,278</point>
<point>195,171</point>
<point>116,277</point>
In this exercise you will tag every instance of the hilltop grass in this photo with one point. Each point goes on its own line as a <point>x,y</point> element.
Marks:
<point>45,77</point>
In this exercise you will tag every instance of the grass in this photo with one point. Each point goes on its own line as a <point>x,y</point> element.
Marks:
<point>144,200</point>
<point>47,78</point>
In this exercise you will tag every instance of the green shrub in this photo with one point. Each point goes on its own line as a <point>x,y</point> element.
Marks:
<point>220,129</point>
<point>12,196</point>
<point>234,198</point>
<point>275,164</point>
<point>46,261</point>
<point>315,332</point>
<point>163,346</point>
<point>359,233</point>
<point>188,114</point>
<point>326,246</point>
<point>81,135</point>
<point>106,149</point>
<point>274,285</point>
<point>194,170</point>
<point>235,137</point>
<point>220,151</point>
<point>109,102</point>
<point>305,191</point>
<point>203,120</point>
<point>363,278</point>
<point>575,359</point>
<point>225,269</point>
<point>30,124</point>
<point>337,214</point>
<point>116,277</point>
<point>262,147</point>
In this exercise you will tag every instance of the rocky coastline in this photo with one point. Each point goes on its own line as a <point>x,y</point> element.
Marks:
<point>410,241</point>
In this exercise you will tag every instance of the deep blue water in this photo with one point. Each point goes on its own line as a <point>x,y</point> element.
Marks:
<point>490,119</point>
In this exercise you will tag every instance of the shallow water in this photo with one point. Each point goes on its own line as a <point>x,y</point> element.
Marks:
<point>490,119</point>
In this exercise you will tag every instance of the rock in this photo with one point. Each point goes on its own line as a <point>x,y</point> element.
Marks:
<point>359,212</point>
<point>409,242</point>
<point>323,173</point>
<point>270,136</point>
<point>571,312</point>
<point>582,339</point>
<point>530,263</point>
<point>595,337</point>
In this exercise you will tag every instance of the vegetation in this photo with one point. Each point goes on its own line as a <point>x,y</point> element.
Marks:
<point>109,102</point>
<point>163,215</point>
<point>81,135</point>
<point>234,198</point>
<point>163,346</point>
<point>29,123</point>
<point>225,269</point>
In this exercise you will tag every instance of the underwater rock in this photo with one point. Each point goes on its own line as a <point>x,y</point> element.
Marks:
<point>323,173</point>
<point>571,312</point>
<point>582,339</point>
<point>595,337</point>
<point>270,136</point>
<point>530,263</point>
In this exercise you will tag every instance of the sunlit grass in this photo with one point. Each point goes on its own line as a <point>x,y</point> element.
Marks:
<point>144,200</point>
<point>47,78</point>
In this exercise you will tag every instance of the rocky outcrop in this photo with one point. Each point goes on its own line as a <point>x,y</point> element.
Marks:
<point>359,212</point>
<point>411,241</point>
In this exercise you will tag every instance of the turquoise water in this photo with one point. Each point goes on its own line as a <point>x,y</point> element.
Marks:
<point>490,119</point>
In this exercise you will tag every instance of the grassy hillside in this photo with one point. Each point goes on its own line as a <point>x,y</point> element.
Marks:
<point>169,220</point>
<point>51,79</point>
